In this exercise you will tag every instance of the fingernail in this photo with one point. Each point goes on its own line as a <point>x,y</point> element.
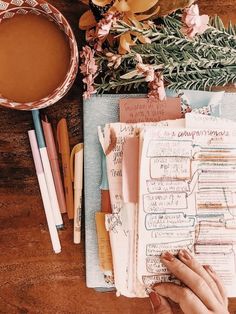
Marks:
<point>155,301</point>
<point>211,269</point>
<point>208,267</point>
<point>168,256</point>
<point>185,254</point>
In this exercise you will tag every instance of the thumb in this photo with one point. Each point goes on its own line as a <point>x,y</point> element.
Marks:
<point>159,304</point>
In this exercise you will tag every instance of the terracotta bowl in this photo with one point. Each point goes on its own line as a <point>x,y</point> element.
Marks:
<point>8,9</point>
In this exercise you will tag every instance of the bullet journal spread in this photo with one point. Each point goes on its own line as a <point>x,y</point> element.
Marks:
<point>105,109</point>
<point>186,199</point>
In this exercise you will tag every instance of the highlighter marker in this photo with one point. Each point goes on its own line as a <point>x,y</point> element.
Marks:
<point>44,192</point>
<point>53,158</point>
<point>47,169</point>
<point>64,149</point>
<point>77,177</point>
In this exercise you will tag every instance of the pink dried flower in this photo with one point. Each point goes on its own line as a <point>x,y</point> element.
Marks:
<point>89,81</point>
<point>93,40</point>
<point>96,37</point>
<point>114,60</point>
<point>194,23</point>
<point>89,69</point>
<point>138,58</point>
<point>89,64</point>
<point>87,94</point>
<point>104,25</point>
<point>156,87</point>
<point>145,70</point>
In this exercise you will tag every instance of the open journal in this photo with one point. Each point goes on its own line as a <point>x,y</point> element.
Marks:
<point>172,185</point>
<point>100,110</point>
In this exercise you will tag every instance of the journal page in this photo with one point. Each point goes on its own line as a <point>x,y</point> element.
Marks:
<point>113,138</point>
<point>187,200</point>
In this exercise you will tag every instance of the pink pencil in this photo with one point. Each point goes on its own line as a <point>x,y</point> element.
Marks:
<point>53,158</point>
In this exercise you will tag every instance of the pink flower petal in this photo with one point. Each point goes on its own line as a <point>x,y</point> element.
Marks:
<point>195,24</point>
<point>138,58</point>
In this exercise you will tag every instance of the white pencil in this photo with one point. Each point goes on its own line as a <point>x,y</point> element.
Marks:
<point>47,170</point>
<point>44,192</point>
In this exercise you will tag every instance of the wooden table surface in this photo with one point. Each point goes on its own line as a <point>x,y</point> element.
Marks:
<point>32,278</point>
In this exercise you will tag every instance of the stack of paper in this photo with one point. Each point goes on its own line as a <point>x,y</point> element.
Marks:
<point>186,198</point>
<point>138,211</point>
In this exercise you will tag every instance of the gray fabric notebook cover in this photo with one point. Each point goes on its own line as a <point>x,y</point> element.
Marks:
<point>99,110</point>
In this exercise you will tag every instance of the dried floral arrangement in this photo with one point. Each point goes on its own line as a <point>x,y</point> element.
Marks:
<point>126,49</point>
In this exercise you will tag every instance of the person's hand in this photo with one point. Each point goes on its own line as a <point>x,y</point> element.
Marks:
<point>203,292</point>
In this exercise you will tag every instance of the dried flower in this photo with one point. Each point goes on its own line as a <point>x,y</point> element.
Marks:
<point>156,87</point>
<point>148,24</point>
<point>145,70</point>
<point>104,25</point>
<point>90,36</point>
<point>194,23</point>
<point>93,40</point>
<point>88,81</point>
<point>133,11</point>
<point>187,68</point>
<point>125,43</point>
<point>89,69</point>
<point>89,65</point>
<point>87,94</point>
<point>96,37</point>
<point>114,60</point>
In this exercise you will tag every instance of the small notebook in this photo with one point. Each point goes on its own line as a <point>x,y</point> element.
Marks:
<point>100,110</point>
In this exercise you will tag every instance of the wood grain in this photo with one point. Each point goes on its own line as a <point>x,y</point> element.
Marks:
<point>32,278</point>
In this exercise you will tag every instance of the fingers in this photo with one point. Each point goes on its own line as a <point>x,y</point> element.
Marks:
<point>190,279</point>
<point>218,283</point>
<point>186,299</point>
<point>159,304</point>
<point>193,264</point>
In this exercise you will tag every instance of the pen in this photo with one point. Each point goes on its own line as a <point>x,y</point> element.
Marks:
<point>47,169</point>
<point>104,187</point>
<point>64,149</point>
<point>44,192</point>
<point>53,158</point>
<point>77,155</point>
<point>104,246</point>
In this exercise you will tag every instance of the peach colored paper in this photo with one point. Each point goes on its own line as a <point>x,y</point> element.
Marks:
<point>135,110</point>
<point>130,170</point>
